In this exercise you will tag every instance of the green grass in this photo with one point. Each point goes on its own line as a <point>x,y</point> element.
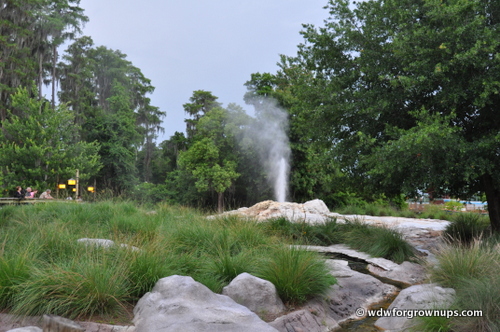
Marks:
<point>297,274</point>
<point>465,227</point>
<point>472,270</point>
<point>374,240</point>
<point>44,270</point>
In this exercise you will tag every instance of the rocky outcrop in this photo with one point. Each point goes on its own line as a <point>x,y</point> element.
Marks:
<point>313,212</point>
<point>427,296</point>
<point>179,303</point>
<point>256,294</point>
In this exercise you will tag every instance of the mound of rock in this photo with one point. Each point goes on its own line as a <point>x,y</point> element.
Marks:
<point>314,211</point>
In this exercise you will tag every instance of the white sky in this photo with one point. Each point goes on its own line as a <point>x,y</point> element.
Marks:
<point>188,45</point>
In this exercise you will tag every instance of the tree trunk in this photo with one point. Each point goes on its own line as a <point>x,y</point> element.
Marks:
<point>493,200</point>
<point>54,63</point>
<point>220,202</point>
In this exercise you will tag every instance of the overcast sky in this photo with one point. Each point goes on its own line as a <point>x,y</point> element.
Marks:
<point>188,45</point>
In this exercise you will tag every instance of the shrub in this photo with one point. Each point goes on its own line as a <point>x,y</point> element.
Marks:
<point>297,274</point>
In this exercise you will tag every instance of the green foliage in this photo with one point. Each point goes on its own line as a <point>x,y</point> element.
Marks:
<point>84,288</point>
<point>38,147</point>
<point>303,232</point>
<point>45,270</point>
<point>453,206</point>
<point>472,270</point>
<point>465,262</point>
<point>377,241</point>
<point>479,294</point>
<point>13,272</point>
<point>404,109</point>
<point>297,274</point>
<point>465,227</point>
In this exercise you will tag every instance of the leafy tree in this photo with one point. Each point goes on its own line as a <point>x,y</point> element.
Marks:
<point>210,158</point>
<point>117,134</point>
<point>407,91</point>
<point>91,81</point>
<point>200,103</point>
<point>30,32</point>
<point>37,148</point>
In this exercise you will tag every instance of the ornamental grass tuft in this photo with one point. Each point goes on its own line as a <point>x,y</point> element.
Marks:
<point>297,274</point>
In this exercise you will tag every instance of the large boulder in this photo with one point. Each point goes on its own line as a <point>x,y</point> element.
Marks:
<point>256,294</point>
<point>180,304</point>
<point>427,296</point>
<point>314,212</point>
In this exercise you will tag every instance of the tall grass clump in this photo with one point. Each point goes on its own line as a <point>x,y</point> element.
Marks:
<point>465,227</point>
<point>472,270</point>
<point>297,274</point>
<point>465,262</point>
<point>377,241</point>
<point>302,232</point>
<point>13,272</point>
<point>82,288</point>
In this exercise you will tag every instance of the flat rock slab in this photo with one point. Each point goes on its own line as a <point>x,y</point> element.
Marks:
<point>382,263</point>
<point>406,273</point>
<point>399,222</point>
<point>353,290</point>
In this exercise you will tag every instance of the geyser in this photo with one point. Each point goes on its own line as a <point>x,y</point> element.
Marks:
<point>271,141</point>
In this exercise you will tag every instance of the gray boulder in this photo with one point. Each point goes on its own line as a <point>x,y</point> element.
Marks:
<point>427,296</point>
<point>256,294</point>
<point>27,329</point>
<point>180,304</point>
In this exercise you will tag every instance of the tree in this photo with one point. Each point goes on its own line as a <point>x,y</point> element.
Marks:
<point>210,158</point>
<point>409,92</point>
<point>30,32</point>
<point>37,148</point>
<point>200,103</point>
<point>117,133</point>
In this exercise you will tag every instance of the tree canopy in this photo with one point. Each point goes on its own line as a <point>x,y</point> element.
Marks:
<point>406,93</point>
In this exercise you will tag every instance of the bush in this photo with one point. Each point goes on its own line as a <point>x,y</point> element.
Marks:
<point>297,274</point>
